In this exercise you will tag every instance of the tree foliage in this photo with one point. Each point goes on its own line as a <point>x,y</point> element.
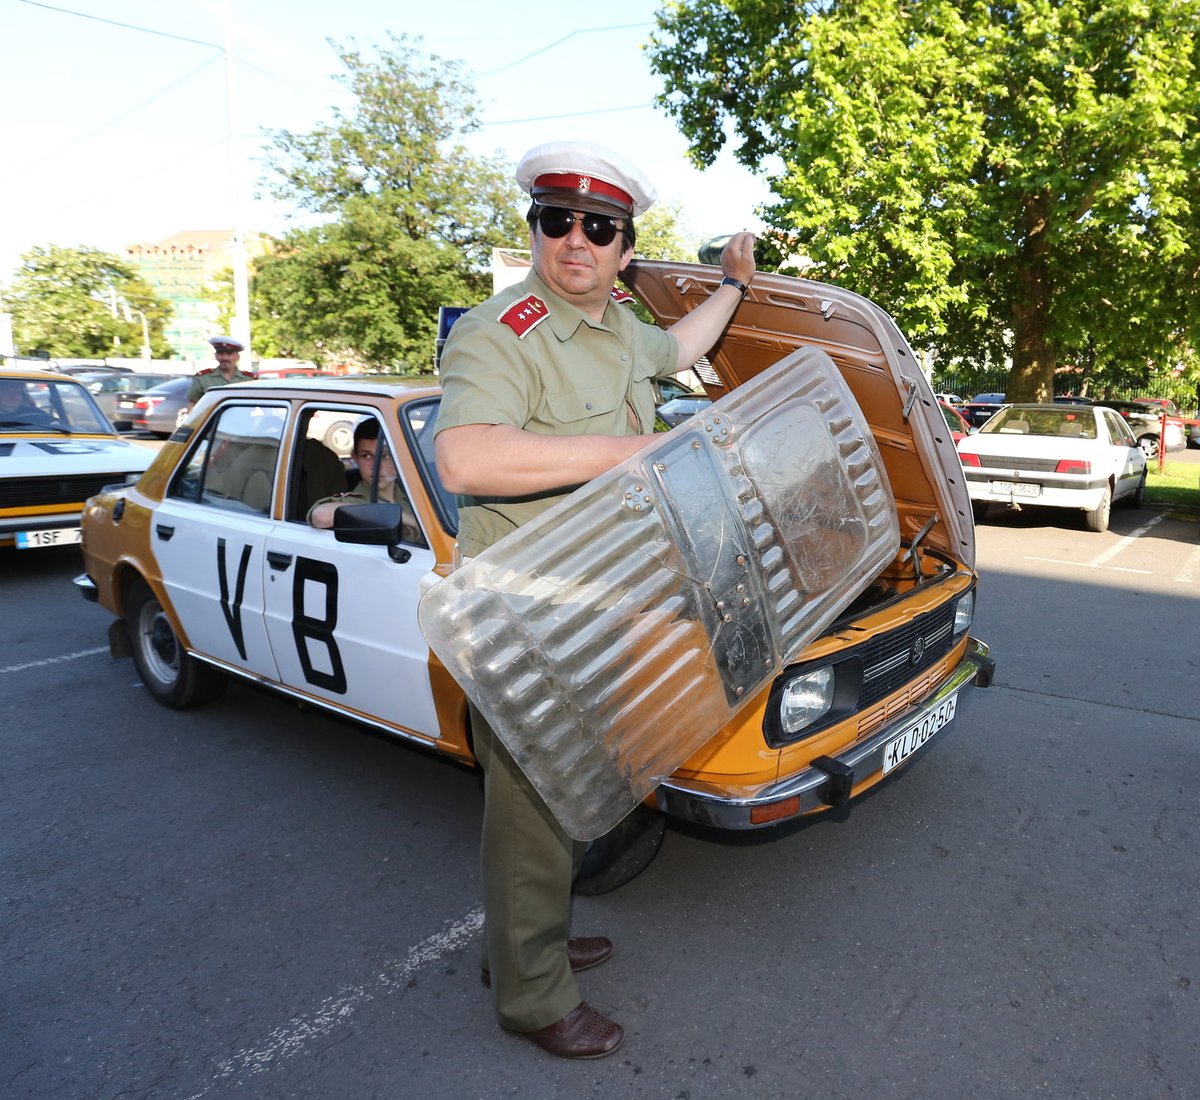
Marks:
<point>80,303</point>
<point>1013,179</point>
<point>412,217</point>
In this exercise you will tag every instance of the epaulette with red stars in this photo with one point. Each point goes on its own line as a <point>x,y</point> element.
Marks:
<point>620,294</point>
<point>524,316</point>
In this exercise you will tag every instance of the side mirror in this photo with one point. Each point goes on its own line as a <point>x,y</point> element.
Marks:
<point>376,524</point>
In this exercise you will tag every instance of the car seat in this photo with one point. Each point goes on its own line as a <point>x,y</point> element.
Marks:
<point>322,475</point>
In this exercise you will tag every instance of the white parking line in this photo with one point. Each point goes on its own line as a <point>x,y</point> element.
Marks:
<point>1190,567</point>
<point>301,1032</point>
<point>1102,560</point>
<point>54,660</point>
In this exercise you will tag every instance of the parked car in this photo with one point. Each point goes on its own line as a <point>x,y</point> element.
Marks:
<point>950,398</point>
<point>211,566</point>
<point>56,450</point>
<point>1146,423</point>
<point>162,408</point>
<point>288,372</point>
<point>1082,457</point>
<point>1164,403</point>
<point>678,409</point>
<point>93,369</point>
<point>981,407</point>
<point>1071,399</point>
<point>959,427</point>
<point>116,394</point>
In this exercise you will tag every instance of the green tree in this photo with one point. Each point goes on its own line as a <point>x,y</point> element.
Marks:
<point>412,216</point>
<point>81,303</point>
<point>1014,179</point>
<point>661,234</point>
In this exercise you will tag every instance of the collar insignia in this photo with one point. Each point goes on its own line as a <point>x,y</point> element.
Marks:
<point>525,315</point>
<point>621,295</point>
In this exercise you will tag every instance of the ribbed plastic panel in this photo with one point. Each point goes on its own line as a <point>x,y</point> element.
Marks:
<point>610,638</point>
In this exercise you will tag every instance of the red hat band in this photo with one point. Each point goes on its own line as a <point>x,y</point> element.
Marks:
<point>573,181</point>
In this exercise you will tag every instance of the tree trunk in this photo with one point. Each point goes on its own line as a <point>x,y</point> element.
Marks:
<point>1032,374</point>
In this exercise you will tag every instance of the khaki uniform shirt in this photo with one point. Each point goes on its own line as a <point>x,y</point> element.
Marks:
<point>202,383</point>
<point>569,375</point>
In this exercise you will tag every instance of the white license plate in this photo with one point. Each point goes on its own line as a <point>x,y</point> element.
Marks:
<point>55,536</point>
<point>919,733</point>
<point>1016,488</point>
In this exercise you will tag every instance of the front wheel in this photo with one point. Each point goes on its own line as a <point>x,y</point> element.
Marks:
<point>1097,518</point>
<point>622,853</point>
<point>171,675</point>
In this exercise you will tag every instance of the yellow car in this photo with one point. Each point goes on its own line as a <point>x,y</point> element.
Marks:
<point>56,450</point>
<point>211,567</point>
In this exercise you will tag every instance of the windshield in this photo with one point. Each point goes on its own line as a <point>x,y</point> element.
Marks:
<point>1066,420</point>
<point>39,405</point>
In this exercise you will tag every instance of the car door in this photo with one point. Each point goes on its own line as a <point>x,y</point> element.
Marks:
<point>1125,458</point>
<point>342,618</point>
<point>209,533</point>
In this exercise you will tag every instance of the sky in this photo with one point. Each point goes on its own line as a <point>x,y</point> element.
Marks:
<point>116,128</point>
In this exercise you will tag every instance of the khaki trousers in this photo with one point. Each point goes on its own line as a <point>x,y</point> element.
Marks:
<point>529,863</point>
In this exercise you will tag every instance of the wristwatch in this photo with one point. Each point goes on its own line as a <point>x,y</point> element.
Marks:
<point>737,284</point>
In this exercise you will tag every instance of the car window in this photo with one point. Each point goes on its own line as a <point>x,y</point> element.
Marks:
<point>1062,421</point>
<point>232,466</point>
<point>1118,430</point>
<point>325,463</point>
<point>62,407</point>
<point>420,418</point>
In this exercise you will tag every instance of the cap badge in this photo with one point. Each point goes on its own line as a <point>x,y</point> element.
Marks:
<point>525,315</point>
<point>585,183</point>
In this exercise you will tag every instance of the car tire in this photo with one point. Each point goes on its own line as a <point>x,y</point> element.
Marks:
<point>1097,518</point>
<point>979,509</point>
<point>339,438</point>
<point>172,676</point>
<point>1149,445</point>
<point>622,853</point>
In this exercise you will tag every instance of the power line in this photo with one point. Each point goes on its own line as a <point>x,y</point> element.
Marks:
<point>114,23</point>
<point>560,41</point>
<point>124,114</point>
<point>570,114</point>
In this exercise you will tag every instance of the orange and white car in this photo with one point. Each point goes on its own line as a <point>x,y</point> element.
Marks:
<point>56,450</point>
<point>212,569</point>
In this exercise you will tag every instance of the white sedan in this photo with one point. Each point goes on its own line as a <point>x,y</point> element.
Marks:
<point>1058,456</point>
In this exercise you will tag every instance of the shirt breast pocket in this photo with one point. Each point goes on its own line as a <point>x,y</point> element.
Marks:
<point>583,404</point>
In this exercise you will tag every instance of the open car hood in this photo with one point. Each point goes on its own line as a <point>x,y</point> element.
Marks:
<point>780,314</point>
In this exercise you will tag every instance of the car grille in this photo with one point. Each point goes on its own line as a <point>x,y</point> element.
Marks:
<point>892,660</point>
<point>28,492</point>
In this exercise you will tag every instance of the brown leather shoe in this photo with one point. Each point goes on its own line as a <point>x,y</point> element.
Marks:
<point>583,952</point>
<point>581,1033</point>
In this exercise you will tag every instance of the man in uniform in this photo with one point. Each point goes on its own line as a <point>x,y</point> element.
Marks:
<point>547,385</point>
<point>228,351</point>
<point>383,472</point>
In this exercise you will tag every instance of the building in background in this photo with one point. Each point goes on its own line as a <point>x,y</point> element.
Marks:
<point>181,269</point>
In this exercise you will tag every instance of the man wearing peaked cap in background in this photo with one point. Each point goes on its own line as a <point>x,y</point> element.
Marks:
<point>228,351</point>
<point>547,385</point>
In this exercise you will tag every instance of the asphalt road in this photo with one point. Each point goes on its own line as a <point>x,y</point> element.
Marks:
<point>255,901</point>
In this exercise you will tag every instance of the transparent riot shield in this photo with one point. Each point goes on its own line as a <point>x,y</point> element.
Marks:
<point>611,637</point>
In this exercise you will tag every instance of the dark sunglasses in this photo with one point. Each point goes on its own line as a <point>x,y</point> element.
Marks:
<point>556,222</point>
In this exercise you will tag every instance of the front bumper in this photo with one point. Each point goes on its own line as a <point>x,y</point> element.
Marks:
<point>826,783</point>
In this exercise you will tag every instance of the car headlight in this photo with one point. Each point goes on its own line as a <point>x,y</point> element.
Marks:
<point>806,699</point>
<point>964,612</point>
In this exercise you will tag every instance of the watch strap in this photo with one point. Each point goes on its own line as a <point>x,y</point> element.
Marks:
<point>737,284</point>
